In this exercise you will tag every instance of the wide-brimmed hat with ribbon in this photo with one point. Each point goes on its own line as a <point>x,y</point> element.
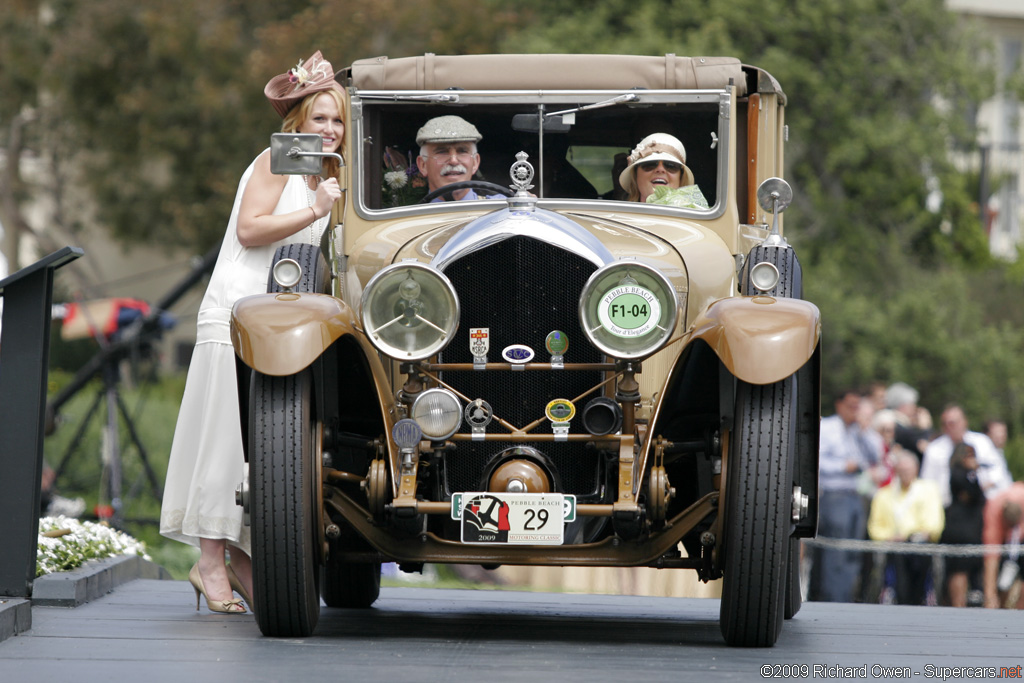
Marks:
<point>652,148</point>
<point>313,75</point>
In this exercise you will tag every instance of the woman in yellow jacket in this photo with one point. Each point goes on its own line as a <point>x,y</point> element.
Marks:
<point>908,509</point>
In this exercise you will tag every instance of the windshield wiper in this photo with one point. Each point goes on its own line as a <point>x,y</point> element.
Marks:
<point>414,98</point>
<point>628,97</point>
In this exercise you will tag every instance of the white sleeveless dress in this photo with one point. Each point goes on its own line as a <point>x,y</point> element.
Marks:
<point>206,462</point>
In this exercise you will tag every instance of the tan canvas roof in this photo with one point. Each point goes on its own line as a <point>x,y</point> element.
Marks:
<point>541,71</point>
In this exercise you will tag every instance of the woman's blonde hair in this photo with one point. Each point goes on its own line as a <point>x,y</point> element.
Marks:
<point>634,191</point>
<point>298,114</point>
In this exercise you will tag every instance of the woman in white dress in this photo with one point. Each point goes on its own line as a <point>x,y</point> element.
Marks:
<point>206,462</point>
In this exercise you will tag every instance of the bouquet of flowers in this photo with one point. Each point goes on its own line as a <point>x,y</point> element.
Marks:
<point>403,183</point>
<point>686,197</point>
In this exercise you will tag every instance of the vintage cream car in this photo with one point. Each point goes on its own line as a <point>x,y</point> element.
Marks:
<point>555,377</point>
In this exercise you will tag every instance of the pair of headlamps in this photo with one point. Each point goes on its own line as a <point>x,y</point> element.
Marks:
<point>410,310</point>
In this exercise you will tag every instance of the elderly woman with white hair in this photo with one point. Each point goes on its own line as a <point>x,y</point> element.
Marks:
<point>659,161</point>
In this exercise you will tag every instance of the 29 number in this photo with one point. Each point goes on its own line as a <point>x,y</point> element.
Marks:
<point>533,517</point>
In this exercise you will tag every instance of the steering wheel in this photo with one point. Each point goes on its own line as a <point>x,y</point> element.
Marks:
<point>466,185</point>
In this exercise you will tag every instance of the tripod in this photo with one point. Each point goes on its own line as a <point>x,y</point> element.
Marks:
<point>138,335</point>
<point>111,483</point>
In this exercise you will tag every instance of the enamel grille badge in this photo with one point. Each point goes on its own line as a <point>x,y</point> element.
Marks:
<point>479,344</point>
<point>517,354</point>
<point>557,344</point>
<point>479,340</point>
<point>478,415</point>
<point>560,411</point>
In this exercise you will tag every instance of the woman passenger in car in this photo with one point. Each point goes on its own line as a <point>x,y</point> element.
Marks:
<point>659,160</point>
<point>206,461</point>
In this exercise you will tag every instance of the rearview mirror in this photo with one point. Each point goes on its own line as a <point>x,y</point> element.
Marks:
<point>530,123</point>
<point>298,154</point>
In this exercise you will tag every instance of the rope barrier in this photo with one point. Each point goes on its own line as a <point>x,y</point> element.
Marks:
<point>945,549</point>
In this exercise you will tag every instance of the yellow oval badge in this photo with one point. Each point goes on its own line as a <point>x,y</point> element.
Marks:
<point>560,410</point>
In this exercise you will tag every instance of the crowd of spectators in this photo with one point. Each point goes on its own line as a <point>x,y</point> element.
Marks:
<point>886,473</point>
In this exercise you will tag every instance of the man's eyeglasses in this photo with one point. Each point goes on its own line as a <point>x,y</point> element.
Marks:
<point>463,154</point>
<point>670,166</point>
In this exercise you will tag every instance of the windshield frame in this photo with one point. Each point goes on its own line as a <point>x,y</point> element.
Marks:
<point>365,102</point>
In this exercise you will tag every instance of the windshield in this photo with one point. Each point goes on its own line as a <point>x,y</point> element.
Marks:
<point>577,149</point>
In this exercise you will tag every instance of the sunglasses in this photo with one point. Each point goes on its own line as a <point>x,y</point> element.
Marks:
<point>670,166</point>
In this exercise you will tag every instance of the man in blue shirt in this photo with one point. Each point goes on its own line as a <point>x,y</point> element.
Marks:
<point>448,154</point>
<point>845,451</point>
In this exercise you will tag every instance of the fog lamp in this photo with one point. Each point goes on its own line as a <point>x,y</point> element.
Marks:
<point>438,413</point>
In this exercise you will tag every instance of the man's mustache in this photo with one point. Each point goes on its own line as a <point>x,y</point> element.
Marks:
<point>454,169</point>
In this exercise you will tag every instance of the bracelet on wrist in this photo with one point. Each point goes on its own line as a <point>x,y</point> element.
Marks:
<point>314,213</point>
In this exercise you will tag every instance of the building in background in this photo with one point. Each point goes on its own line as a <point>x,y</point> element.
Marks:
<point>1000,160</point>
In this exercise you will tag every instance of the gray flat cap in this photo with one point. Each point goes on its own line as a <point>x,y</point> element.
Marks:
<point>447,129</point>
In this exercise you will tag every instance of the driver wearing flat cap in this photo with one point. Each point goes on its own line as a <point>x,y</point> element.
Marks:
<point>448,155</point>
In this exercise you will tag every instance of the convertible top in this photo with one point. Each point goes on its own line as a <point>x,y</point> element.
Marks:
<point>552,71</point>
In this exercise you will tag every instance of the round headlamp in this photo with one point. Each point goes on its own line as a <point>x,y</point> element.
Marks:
<point>438,413</point>
<point>287,273</point>
<point>409,311</point>
<point>764,276</point>
<point>628,309</point>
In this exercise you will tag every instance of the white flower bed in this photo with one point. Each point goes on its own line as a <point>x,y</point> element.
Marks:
<point>82,541</point>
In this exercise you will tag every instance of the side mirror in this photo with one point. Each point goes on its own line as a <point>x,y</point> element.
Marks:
<point>774,195</point>
<point>298,154</point>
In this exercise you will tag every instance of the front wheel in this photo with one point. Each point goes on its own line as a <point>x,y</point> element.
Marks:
<point>758,507</point>
<point>284,481</point>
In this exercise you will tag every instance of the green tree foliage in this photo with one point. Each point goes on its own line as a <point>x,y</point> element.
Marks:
<point>155,108</point>
<point>161,108</point>
<point>880,93</point>
<point>864,77</point>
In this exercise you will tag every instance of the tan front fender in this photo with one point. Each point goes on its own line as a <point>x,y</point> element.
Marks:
<point>760,339</point>
<point>281,334</point>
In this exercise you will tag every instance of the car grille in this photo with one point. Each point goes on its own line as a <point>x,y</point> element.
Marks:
<point>521,289</point>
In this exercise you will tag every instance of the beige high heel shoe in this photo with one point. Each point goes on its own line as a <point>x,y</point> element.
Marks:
<point>222,606</point>
<point>239,587</point>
